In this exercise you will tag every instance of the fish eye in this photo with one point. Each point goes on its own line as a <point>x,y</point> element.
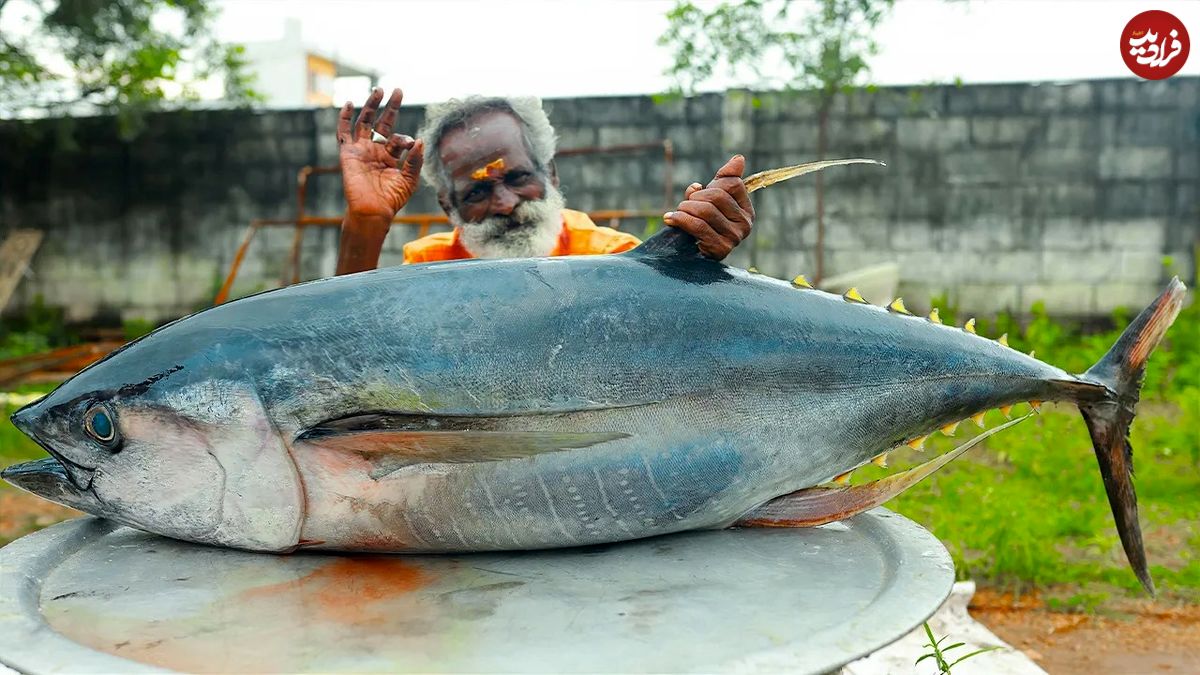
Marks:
<point>99,423</point>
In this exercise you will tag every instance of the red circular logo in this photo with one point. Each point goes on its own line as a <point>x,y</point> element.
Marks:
<point>1155,45</point>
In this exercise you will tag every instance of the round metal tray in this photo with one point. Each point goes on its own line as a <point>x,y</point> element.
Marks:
<point>90,596</point>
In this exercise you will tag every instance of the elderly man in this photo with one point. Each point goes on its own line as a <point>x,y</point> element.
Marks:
<point>492,166</point>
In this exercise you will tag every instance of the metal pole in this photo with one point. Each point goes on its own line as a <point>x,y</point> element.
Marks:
<point>223,294</point>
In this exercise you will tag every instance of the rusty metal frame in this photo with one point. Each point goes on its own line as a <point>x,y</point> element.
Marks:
<point>424,221</point>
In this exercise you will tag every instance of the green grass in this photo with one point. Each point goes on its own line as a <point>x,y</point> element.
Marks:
<point>1027,508</point>
<point>14,445</point>
<point>40,328</point>
<point>16,519</point>
<point>16,344</point>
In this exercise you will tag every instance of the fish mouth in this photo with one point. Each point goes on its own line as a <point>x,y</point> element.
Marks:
<point>49,479</point>
<point>79,475</point>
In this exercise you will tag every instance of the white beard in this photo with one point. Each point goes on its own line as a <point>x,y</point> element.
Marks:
<point>531,231</point>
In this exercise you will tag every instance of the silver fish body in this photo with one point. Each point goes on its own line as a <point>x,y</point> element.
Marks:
<point>514,404</point>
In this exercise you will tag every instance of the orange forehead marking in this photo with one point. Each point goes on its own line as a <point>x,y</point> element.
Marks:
<point>492,170</point>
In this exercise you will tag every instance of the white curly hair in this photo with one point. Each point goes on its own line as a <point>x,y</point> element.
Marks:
<point>441,118</point>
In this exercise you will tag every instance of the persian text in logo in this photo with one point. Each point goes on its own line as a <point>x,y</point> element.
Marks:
<point>1155,44</point>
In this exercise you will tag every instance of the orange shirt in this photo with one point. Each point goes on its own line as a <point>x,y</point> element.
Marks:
<point>579,236</point>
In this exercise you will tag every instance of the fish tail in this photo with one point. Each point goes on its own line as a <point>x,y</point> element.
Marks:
<point>1120,372</point>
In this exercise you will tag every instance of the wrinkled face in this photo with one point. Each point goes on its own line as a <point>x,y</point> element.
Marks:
<point>503,204</point>
<point>198,462</point>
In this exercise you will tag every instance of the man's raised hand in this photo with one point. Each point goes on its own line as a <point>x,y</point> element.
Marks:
<point>378,177</point>
<point>718,215</point>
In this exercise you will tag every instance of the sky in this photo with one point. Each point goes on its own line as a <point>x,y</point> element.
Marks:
<point>436,49</point>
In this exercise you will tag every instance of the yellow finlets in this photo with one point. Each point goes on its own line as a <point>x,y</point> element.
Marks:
<point>853,295</point>
<point>917,443</point>
<point>753,270</point>
<point>843,479</point>
<point>898,307</point>
<point>801,282</point>
<point>880,460</point>
<point>1003,339</point>
<point>977,418</point>
<point>969,326</point>
<point>1036,405</point>
<point>933,316</point>
<point>1006,410</point>
<point>1031,354</point>
<point>950,428</point>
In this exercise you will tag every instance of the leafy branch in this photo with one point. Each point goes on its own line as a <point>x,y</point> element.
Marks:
<point>114,56</point>
<point>825,52</point>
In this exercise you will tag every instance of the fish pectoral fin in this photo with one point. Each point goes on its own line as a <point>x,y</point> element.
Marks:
<point>820,505</point>
<point>392,449</point>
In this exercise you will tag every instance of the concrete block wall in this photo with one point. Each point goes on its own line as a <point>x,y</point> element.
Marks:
<point>998,196</point>
<point>995,195</point>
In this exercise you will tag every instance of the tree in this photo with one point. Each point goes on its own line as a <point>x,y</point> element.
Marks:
<point>824,52</point>
<point>124,57</point>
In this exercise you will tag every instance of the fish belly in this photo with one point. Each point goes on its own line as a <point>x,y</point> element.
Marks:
<point>682,465</point>
<point>563,499</point>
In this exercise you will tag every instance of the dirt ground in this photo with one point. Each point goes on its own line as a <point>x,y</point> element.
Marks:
<point>1130,636</point>
<point>1127,636</point>
<point>22,513</point>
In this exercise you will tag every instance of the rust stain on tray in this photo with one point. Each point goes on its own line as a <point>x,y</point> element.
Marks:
<point>343,600</point>
<point>343,590</point>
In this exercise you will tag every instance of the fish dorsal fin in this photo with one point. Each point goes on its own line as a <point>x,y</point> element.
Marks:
<point>669,242</point>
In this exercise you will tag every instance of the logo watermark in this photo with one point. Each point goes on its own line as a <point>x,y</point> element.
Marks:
<point>1155,44</point>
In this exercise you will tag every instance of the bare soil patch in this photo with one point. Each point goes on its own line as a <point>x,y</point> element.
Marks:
<point>22,513</point>
<point>1129,636</point>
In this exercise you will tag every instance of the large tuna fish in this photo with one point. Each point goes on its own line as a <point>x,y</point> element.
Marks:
<point>518,404</point>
